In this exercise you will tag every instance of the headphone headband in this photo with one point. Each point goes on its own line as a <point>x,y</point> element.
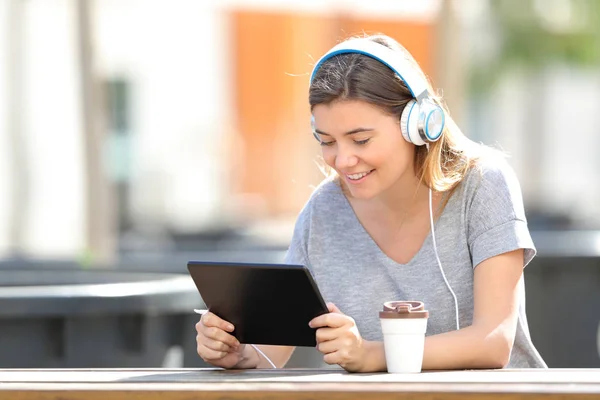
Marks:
<point>422,120</point>
<point>400,65</point>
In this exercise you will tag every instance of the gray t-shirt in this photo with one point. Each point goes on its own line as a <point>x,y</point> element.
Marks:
<point>483,218</point>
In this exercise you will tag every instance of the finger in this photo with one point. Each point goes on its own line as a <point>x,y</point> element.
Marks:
<point>339,343</point>
<point>215,344</point>
<point>331,320</point>
<point>333,308</point>
<point>209,354</point>
<point>332,358</point>
<point>210,319</point>
<point>327,334</point>
<point>329,346</point>
<point>220,335</point>
<point>340,356</point>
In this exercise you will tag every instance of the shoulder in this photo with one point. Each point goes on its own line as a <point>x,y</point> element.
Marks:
<point>326,196</point>
<point>492,177</point>
<point>325,199</point>
<point>491,171</point>
<point>313,217</point>
<point>493,209</point>
<point>491,192</point>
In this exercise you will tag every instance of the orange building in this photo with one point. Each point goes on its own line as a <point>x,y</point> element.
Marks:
<point>273,53</point>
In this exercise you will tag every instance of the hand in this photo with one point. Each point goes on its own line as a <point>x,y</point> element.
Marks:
<point>215,345</point>
<point>339,340</point>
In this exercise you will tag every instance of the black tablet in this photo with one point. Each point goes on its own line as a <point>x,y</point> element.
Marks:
<point>267,303</point>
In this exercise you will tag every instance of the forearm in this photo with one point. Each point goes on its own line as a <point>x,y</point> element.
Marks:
<point>467,348</point>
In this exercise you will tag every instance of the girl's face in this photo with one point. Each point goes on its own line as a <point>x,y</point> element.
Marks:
<point>365,146</point>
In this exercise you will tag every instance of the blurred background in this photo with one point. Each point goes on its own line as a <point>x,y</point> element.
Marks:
<point>137,135</point>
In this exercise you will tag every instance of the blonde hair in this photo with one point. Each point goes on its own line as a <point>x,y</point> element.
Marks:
<point>355,76</point>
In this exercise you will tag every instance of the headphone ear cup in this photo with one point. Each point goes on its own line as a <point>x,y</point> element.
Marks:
<point>408,123</point>
<point>430,124</point>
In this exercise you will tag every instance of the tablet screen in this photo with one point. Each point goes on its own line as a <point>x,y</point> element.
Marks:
<point>267,303</point>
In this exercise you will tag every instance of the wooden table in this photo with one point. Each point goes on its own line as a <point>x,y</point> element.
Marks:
<point>179,384</point>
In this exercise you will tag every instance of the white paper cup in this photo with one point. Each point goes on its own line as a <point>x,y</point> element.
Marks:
<point>404,325</point>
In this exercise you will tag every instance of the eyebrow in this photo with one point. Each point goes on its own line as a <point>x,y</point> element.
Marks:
<point>352,132</point>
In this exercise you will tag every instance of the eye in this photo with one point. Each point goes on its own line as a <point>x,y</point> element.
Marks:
<point>322,143</point>
<point>361,142</point>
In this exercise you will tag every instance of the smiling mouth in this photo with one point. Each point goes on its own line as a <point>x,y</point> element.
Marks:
<point>360,175</point>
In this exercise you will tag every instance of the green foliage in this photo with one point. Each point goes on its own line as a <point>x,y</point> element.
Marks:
<point>534,34</point>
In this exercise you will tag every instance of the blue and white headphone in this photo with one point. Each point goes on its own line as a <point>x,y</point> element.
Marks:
<point>422,120</point>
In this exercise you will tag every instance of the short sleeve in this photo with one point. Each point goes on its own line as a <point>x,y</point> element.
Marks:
<point>496,215</point>
<point>297,252</point>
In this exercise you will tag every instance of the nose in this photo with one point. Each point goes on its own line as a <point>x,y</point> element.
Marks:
<point>345,158</point>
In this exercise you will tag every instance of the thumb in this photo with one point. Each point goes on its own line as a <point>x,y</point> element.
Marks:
<point>333,308</point>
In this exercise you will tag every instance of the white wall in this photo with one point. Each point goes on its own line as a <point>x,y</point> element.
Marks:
<point>571,143</point>
<point>549,125</point>
<point>176,57</point>
<point>51,129</point>
<point>5,183</point>
<point>423,10</point>
<point>503,125</point>
<point>175,54</point>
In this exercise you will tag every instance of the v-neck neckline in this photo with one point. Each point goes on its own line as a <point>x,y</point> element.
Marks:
<point>379,252</point>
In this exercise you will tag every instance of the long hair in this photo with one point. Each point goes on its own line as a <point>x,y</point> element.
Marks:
<point>352,76</point>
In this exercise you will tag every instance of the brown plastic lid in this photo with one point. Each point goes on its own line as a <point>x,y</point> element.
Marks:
<point>404,309</point>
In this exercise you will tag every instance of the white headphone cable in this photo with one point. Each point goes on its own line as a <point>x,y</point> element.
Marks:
<point>265,356</point>
<point>438,257</point>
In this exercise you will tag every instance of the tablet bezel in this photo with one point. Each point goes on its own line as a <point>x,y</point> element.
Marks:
<point>261,322</point>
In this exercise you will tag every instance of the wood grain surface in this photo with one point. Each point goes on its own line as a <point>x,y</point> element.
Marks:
<point>179,384</point>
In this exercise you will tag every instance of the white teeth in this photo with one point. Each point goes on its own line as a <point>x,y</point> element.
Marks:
<point>357,176</point>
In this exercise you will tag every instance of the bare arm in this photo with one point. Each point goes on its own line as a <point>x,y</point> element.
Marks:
<point>487,343</point>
